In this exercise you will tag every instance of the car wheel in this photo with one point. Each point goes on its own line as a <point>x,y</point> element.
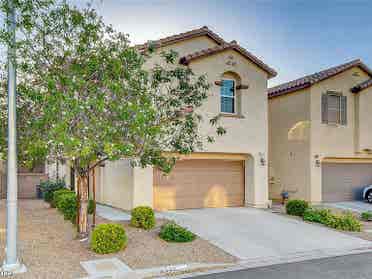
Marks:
<point>369,196</point>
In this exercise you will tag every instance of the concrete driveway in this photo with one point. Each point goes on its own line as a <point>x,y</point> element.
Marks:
<point>356,206</point>
<point>262,236</point>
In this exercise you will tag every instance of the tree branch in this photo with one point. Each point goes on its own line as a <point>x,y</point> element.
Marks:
<point>98,163</point>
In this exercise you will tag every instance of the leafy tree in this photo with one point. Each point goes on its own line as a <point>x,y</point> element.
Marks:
<point>27,11</point>
<point>85,95</point>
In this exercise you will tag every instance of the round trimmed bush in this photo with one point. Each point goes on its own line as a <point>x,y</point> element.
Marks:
<point>108,238</point>
<point>67,204</point>
<point>296,207</point>
<point>143,217</point>
<point>172,232</point>
<point>57,194</point>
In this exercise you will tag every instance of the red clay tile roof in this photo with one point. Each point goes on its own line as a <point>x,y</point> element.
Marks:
<point>233,46</point>
<point>184,36</point>
<point>361,86</point>
<point>222,45</point>
<point>309,80</point>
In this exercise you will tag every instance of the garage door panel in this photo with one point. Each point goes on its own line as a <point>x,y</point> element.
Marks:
<point>169,203</point>
<point>344,182</point>
<point>200,183</point>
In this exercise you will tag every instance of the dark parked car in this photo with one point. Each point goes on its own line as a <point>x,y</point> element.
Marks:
<point>367,193</point>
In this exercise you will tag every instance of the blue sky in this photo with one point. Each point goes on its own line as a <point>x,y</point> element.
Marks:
<point>293,37</point>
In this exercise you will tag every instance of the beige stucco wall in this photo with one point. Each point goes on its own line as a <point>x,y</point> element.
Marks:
<point>116,184</point>
<point>289,148</point>
<point>246,134</point>
<point>142,190</point>
<point>328,140</point>
<point>120,185</point>
<point>294,164</point>
<point>364,113</point>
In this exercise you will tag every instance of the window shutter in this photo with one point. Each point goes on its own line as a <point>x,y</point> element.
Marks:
<point>343,110</point>
<point>324,108</point>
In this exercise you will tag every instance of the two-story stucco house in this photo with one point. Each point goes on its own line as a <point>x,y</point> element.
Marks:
<point>321,134</point>
<point>232,171</point>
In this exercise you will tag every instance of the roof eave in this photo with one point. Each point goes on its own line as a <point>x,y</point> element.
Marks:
<point>204,31</point>
<point>271,72</point>
<point>321,76</point>
<point>289,90</point>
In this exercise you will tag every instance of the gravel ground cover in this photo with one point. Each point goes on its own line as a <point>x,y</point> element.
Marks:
<point>49,247</point>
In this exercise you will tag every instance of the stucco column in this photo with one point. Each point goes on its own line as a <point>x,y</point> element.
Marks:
<point>256,183</point>
<point>315,182</point>
<point>142,186</point>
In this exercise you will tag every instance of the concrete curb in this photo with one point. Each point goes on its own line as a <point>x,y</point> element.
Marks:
<point>255,263</point>
<point>171,271</point>
<point>160,272</point>
<point>165,271</point>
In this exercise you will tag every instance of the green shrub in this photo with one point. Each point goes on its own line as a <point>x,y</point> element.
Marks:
<point>143,217</point>
<point>322,216</point>
<point>344,222</point>
<point>67,205</point>
<point>296,207</point>
<point>57,194</point>
<point>174,233</point>
<point>49,187</point>
<point>366,216</point>
<point>91,206</point>
<point>66,202</point>
<point>108,238</point>
<point>347,222</point>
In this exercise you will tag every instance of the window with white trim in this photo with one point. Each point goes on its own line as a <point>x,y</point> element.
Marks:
<point>228,96</point>
<point>334,108</point>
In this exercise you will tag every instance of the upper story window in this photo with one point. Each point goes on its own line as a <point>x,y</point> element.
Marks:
<point>334,108</point>
<point>228,96</point>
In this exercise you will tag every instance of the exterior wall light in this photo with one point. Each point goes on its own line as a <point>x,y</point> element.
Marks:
<point>262,158</point>
<point>317,161</point>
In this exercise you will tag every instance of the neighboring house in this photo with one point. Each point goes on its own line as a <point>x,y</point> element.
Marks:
<point>321,134</point>
<point>230,172</point>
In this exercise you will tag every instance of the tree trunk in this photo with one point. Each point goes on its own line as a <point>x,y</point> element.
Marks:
<point>94,196</point>
<point>83,206</point>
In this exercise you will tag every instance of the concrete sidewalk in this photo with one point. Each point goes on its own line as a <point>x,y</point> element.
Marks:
<point>111,213</point>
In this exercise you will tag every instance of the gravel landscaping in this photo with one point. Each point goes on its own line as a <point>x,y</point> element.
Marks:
<point>48,245</point>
